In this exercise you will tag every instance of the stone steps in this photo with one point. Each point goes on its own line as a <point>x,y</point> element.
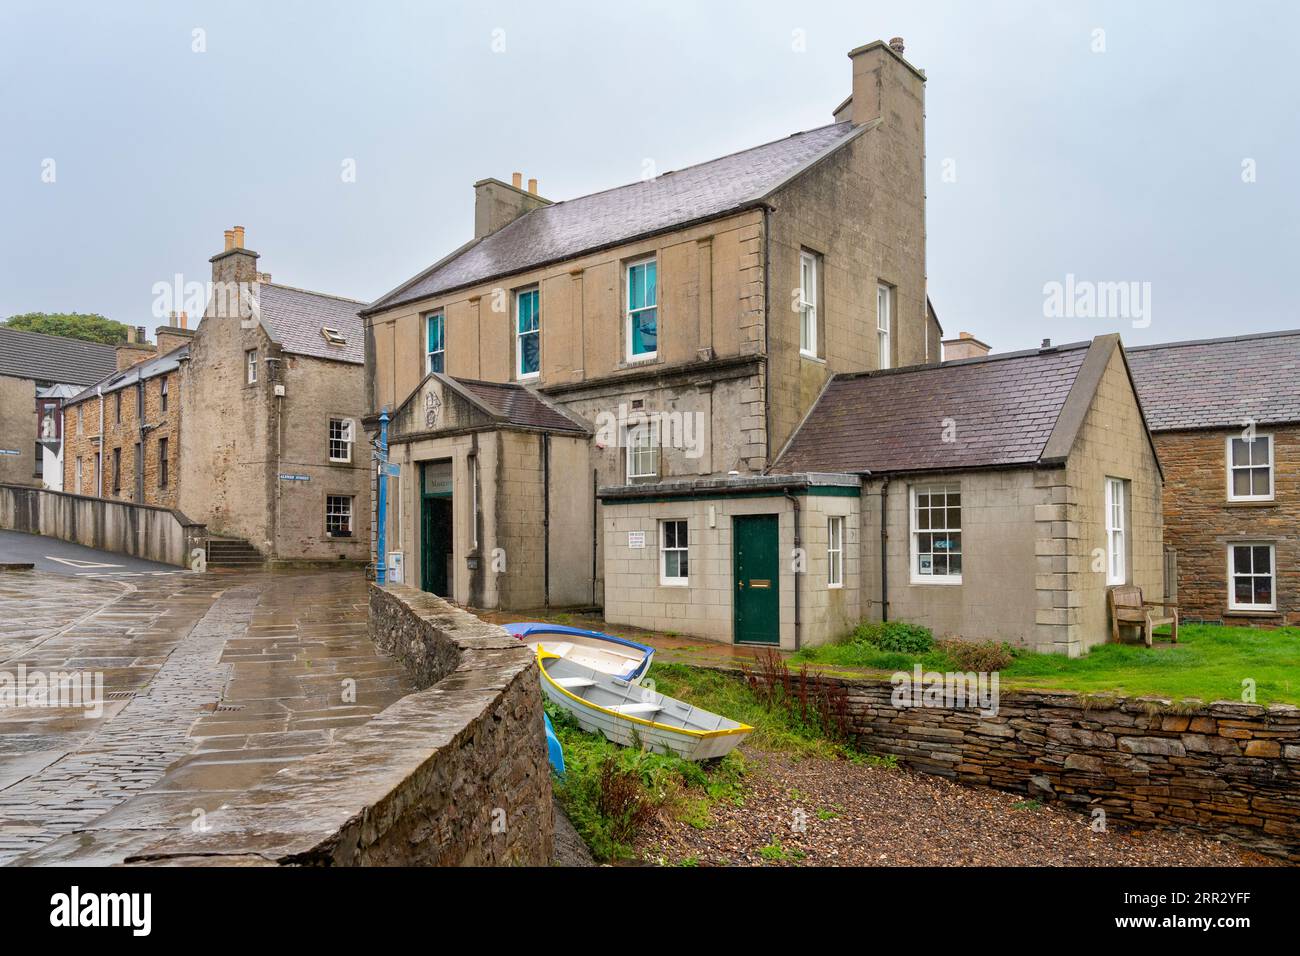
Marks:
<point>232,553</point>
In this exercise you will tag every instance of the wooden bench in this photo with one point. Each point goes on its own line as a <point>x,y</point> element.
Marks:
<point>1127,609</point>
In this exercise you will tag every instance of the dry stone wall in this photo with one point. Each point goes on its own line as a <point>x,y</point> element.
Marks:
<point>1222,768</point>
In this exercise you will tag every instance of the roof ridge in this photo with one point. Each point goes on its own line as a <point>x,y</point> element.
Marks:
<point>954,363</point>
<point>703,162</point>
<point>323,295</point>
<point>1280,333</point>
<point>59,339</point>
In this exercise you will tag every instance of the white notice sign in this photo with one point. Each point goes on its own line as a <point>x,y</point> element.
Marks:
<point>636,539</point>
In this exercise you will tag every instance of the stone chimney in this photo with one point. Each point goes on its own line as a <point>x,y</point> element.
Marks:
<point>884,84</point>
<point>135,350</point>
<point>964,346</point>
<point>173,335</point>
<point>497,204</point>
<point>231,267</point>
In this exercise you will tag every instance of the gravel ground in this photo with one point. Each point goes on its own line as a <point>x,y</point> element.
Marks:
<point>859,815</point>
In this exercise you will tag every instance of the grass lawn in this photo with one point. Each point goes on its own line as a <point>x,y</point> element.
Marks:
<point>1210,662</point>
<point>610,792</point>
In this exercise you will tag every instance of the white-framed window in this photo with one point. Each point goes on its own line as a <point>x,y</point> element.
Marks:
<point>472,462</point>
<point>80,418</point>
<point>642,309</point>
<point>808,303</point>
<point>528,334</point>
<point>835,552</point>
<point>162,394</point>
<point>250,361</point>
<point>435,349</point>
<point>1116,546</point>
<point>1250,468</point>
<point>341,439</point>
<point>338,516</point>
<point>1252,576</point>
<point>674,536</point>
<point>936,533</point>
<point>642,451</point>
<point>78,486</point>
<point>884,322</point>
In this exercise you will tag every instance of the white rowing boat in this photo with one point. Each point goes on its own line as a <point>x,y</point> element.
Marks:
<point>603,652</point>
<point>631,715</point>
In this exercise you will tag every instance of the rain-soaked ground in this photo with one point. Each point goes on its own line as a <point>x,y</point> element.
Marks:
<point>210,684</point>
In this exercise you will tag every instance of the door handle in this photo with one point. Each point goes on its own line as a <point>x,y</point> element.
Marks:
<point>741,585</point>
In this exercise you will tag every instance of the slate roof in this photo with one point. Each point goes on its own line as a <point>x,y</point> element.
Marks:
<point>1004,407</point>
<point>1219,383</point>
<point>518,406</point>
<point>566,229</point>
<point>162,365</point>
<point>54,358</point>
<point>294,318</point>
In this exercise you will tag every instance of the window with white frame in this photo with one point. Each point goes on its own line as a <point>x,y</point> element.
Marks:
<point>78,486</point>
<point>936,534</point>
<point>340,439</point>
<point>642,310</point>
<point>835,552</point>
<point>1251,577</point>
<point>642,453</point>
<point>80,418</point>
<point>528,335</point>
<point>162,394</point>
<point>884,322</point>
<point>250,362</point>
<point>1250,468</point>
<point>1116,547</point>
<point>808,303</point>
<point>338,516</point>
<point>435,343</point>
<point>673,551</point>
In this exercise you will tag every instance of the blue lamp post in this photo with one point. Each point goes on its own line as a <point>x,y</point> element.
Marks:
<point>381,570</point>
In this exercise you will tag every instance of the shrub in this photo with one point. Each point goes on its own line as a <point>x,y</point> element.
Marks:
<point>985,656</point>
<point>896,636</point>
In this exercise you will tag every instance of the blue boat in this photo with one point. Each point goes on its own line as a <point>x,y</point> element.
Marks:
<point>554,752</point>
<point>606,653</point>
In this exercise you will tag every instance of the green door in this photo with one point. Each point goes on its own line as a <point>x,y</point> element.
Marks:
<point>435,527</point>
<point>756,566</point>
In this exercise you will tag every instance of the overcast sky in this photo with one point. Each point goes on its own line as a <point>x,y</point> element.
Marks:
<point>1127,163</point>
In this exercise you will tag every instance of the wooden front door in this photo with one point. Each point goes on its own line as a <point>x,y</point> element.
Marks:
<point>435,528</point>
<point>756,579</point>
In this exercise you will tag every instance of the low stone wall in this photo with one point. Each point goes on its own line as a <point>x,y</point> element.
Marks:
<point>143,531</point>
<point>453,774</point>
<point>1222,768</point>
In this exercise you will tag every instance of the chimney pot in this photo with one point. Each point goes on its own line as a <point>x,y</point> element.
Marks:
<point>896,44</point>
<point>1047,344</point>
<point>239,237</point>
<point>517,180</point>
<point>185,320</point>
<point>141,335</point>
<point>230,239</point>
<point>532,186</point>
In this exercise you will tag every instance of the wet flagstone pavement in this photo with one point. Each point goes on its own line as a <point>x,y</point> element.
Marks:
<point>213,683</point>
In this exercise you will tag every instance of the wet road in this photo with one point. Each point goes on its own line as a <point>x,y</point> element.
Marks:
<point>64,557</point>
<point>210,683</point>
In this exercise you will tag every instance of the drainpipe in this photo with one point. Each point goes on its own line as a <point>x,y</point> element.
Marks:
<point>798,635</point>
<point>884,550</point>
<point>99,492</point>
<point>595,529</point>
<point>381,570</point>
<point>546,519</point>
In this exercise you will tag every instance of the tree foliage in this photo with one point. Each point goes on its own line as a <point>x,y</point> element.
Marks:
<point>89,327</point>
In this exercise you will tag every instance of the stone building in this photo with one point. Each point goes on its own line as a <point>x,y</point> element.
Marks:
<point>996,497</point>
<point>272,394</point>
<point>688,321</point>
<point>123,432</point>
<point>1226,418</point>
<point>37,374</point>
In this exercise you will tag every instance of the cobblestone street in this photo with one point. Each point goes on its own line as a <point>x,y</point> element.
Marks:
<point>213,683</point>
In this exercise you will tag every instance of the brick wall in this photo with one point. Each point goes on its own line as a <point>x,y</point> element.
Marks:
<point>1200,523</point>
<point>123,434</point>
<point>1223,768</point>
